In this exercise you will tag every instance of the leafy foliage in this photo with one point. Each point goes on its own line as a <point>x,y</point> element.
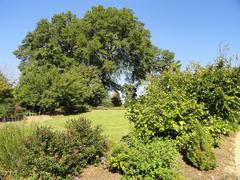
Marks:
<point>113,40</point>
<point>176,101</point>
<point>107,42</point>
<point>62,155</point>
<point>167,61</point>
<point>200,150</point>
<point>218,88</point>
<point>44,88</point>
<point>7,105</point>
<point>116,99</point>
<point>107,101</point>
<point>144,161</point>
<point>130,94</point>
<point>166,113</point>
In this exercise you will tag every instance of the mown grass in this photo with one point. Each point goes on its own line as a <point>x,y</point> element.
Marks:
<point>113,122</point>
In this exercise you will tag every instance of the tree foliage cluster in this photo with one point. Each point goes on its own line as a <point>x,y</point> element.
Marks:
<point>7,106</point>
<point>59,56</point>
<point>130,93</point>
<point>116,99</point>
<point>48,89</point>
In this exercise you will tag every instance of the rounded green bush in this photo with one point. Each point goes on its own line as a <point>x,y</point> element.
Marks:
<point>137,160</point>
<point>62,155</point>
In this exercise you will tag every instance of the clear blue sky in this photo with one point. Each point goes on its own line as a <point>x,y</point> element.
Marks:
<point>190,28</point>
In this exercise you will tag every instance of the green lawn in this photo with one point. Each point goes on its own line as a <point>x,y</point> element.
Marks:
<point>113,122</point>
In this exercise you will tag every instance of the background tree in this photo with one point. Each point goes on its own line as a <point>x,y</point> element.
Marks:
<point>33,90</point>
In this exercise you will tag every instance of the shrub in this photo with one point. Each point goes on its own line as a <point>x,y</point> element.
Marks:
<point>62,155</point>
<point>145,161</point>
<point>176,101</point>
<point>179,99</point>
<point>107,102</point>
<point>170,113</point>
<point>200,150</point>
<point>12,147</point>
<point>218,88</point>
<point>116,99</point>
<point>6,98</point>
<point>130,94</point>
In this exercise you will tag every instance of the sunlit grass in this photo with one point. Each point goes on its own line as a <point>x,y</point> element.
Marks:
<point>113,122</point>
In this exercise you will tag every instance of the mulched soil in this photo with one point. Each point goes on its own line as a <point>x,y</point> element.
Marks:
<point>99,172</point>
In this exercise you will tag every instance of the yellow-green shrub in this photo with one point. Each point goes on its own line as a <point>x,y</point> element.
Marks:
<point>137,160</point>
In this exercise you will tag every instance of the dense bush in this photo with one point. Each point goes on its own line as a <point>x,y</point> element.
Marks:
<point>218,87</point>
<point>6,98</point>
<point>200,150</point>
<point>169,113</point>
<point>12,148</point>
<point>46,88</point>
<point>173,101</point>
<point>62,155</point>
<point>130,94</point>
<point>116,99</point>
<point>155,160</point>
<point>107,102</point>
<point>178,100</point>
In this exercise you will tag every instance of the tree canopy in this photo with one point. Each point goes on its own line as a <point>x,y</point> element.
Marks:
<point>113,40</point>
<point>45,89</point>
<point>105,42</point>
